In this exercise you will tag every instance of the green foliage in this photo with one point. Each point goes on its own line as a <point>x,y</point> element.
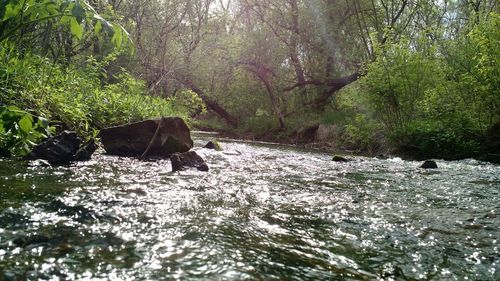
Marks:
<point>431,103</point>
<point>333,117</point>
<point>420,109</point>
<point>78,16</point>
<point>20,131</point>
<point>74,97</point>
<point>126,101</point>
<point>188,103</point>
<point>451,139</point>
<point>362,129</point>
<point>361,133</point>
<point>397,80</point>
<point>261,123</point>
<point>430,71</point>
<point>474,67</point>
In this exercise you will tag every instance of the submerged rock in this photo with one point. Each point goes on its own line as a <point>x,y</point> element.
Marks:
<point>429,164</point>
<point>30,240</point>
<point>171,135</point>
<point>490,215</point>
<point>63,149</point>
<point>338,158</point>
<point>213,145</point>
<point>181,161</point>
<point>382,157</point>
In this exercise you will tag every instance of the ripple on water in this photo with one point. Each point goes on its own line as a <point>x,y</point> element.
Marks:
<point>262,212</point>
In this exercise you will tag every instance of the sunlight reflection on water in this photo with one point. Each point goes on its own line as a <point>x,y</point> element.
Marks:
<point>262,212</point>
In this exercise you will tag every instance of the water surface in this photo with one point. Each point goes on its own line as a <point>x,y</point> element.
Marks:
<point>263,212</point>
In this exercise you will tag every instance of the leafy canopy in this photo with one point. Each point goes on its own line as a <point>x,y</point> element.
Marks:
<point>78,15</point>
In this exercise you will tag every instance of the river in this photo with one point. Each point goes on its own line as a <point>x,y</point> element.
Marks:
<point>262,212</point>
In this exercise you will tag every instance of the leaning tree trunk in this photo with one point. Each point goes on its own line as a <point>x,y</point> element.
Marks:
<point>210,103</point>
<point>332,86</point>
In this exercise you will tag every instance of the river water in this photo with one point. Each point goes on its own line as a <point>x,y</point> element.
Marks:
<point>262,212</point>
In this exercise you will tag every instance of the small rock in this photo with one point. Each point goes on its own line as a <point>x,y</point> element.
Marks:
<point>473,226</point>
<point>213,145</point>
<point>382,157</point>
<point>337,158</point>
<point>85,152</point>
<point>180,161</point>
<point>429,164</point>
<point>490,215</point>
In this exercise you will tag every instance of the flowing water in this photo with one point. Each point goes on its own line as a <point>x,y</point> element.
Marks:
<point>262,212</point>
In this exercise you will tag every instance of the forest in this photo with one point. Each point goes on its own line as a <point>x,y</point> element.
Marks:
<point>415,77</point>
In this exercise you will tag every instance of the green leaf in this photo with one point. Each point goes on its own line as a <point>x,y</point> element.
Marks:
<point>15,109</point>
<point>78,12</point>
<point>11,10</point>
<point>65,20</point>
<point>117,36</point>
<point>76,29</point>
<point>26,123</point>
<point>98,28</point>
<point>52,8</point>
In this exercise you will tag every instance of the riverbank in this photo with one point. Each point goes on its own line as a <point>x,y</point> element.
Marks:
<point>321,140</point>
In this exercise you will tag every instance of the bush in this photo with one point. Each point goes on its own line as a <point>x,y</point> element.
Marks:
<point>261,123</point>
<point>432,105</point>
<point>437,139</point>
<point>20,131</point>
<point>74,97</point>
<point>473,62</point>
<point>397,81</point>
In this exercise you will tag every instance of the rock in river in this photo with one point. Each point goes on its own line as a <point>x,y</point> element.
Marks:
<point>63,149</point>
<point>213,145</point>
<point>160,138</point>
<point>180,161</point>
<point>337,158</point>
<point>429,164</point>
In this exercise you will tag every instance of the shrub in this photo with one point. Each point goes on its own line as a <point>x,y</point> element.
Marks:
<point>438,139</point>
<point>75,98</point>
<point>20,131</point>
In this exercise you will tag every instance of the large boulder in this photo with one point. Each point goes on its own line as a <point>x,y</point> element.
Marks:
<point>131,140</point>
<point>63,149</point>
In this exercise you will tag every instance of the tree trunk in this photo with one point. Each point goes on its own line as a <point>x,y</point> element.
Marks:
<point>210,103</point>
<point>334,86</point>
